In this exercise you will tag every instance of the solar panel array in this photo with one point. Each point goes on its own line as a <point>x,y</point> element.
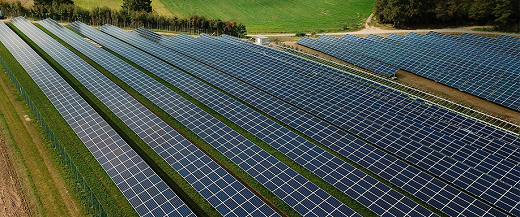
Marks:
<point>202,52</point>
<point>457,165</point>
<point>471,63</point>
<point>332,169</point>
<point>141,186</point>
<point>298,192</point>
<point>337,140</point>
<point>509,41</point>
<point>191,163</point>
<point>322,44</point>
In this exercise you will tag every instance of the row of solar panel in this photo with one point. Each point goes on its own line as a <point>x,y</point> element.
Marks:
<point>219,54</point>
<point>484,45</point>
<point>509,41</point>
<point>204,50</point>
<point>365,62</point>
<point>285,183</point>
<point>259,128</point>
<point>442,64</point>
<point>257,98</point>
<point>183,156</point>
<point>297,148</point>
<point>409,49</point>
<point>136,180</point>
<point>485,69</point>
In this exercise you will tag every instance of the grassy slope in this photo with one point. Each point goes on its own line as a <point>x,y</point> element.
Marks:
<point>157,5</point>
<point>262,16</point>
<point>278,15</point>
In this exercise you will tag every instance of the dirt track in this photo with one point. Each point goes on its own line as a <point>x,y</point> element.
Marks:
<point>12,200</point>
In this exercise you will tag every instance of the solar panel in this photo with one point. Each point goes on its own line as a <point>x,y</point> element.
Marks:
<point>198,169</point>
<point>145,191</point>
<point>276,87</point>
<point>323,43</point>
<point>297,148</point>
<point>285,183</point>
<point>249,95</point>
<point>404,49</point>
<point>493,147</point>
<point>152,36</point>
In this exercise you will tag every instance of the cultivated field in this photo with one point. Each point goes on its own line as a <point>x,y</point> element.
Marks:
<point>263,16</point>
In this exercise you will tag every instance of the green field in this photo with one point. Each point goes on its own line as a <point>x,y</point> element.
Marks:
<point>262,16</point>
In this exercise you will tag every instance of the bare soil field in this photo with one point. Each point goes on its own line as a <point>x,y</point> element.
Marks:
<point>12,199</point>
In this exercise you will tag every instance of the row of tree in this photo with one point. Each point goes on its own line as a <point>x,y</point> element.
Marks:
<point>124,18</point>
<point>502,14</point>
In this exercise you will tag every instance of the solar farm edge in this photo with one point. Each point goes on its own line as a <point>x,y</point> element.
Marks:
<point>34,205</point>
<point>102,186</point>
<point>157,163</point>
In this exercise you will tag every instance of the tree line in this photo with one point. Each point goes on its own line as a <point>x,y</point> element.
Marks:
<point>504,15</point>
<point>64,11</point>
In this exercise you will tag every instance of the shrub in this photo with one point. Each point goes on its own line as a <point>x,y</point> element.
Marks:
<point>300,34</point>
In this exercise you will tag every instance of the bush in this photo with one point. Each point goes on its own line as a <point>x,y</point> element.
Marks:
<point>300,34</point>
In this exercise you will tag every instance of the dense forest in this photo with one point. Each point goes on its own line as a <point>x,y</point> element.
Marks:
<point>504,15</point>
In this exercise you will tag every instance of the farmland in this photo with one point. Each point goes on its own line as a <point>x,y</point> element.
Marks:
<point>264,16</point>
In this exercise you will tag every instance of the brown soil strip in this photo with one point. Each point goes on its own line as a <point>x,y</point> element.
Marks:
<point>12,199</point>
<point>456,95</point>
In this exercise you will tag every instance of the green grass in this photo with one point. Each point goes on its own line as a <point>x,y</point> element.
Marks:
<point>157,6</point>
<point>102,186</point>
<point>266,16</point>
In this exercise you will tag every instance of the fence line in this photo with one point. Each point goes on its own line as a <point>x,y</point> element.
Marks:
<point>95,206</point>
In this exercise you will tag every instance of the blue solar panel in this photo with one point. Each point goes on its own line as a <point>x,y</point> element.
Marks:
<point>311,107</point>
<point>330,45</point>
<point>338,173</point>
<point>238,149</point>
<point>191,163</point>
<point>145,191</point>
<point>404,50</point>
<point>233,85</point>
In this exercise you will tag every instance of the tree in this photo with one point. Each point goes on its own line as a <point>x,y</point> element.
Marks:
<point>481,10</point>
<point>50,2</point>
<point>137,5</point>
<point>507,13</point>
